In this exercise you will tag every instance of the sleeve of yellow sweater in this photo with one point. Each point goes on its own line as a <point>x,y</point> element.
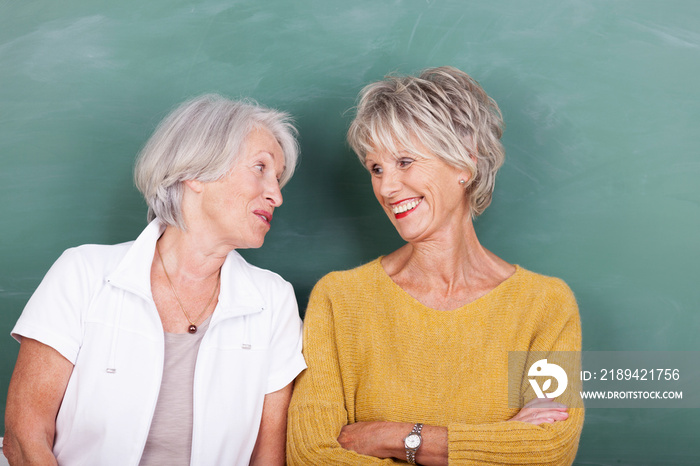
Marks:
<point>317,410</point>
<point>512,442</point>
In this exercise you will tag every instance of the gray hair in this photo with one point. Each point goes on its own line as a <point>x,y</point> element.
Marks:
<point>201,140</point>
<point>443,111</point>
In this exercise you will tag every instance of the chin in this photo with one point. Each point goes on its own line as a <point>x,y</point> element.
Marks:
<point>410,234</point>
<point>253,245</point>
<point>257,243</point>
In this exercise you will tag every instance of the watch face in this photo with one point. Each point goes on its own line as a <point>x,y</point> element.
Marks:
<point>413,441</point>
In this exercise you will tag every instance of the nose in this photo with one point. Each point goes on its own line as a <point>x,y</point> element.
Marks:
<point>389,183</point>
<point>273,193</point>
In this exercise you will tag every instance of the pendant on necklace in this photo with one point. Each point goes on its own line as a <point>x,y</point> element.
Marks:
<point>192,329</point>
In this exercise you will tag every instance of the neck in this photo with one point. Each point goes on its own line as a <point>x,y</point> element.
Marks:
<point>188,256</point>
<point>451,260</point>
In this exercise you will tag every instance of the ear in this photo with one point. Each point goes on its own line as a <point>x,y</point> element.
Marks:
<point>466,174</point>
<point>194,185</point>
<point>464,177</point>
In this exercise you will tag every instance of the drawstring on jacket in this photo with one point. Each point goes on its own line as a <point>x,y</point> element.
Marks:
<point>112,362</point>
<point>246,333</point>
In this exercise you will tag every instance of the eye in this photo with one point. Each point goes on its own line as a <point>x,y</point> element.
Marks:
<point>260,167</point>
<point>375,170</point>
<point>404,162</point>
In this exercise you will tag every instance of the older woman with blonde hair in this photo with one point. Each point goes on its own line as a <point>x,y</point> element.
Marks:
<point>170,349</point>
<point>408,355</point>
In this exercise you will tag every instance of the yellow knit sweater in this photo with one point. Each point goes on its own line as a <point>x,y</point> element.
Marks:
<point>374,353</point>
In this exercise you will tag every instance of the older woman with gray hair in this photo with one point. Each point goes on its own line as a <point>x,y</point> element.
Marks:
<point>170,349</point>
<point>408,355</point>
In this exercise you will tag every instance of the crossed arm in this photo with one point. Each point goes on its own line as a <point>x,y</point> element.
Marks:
<point>386,439</point>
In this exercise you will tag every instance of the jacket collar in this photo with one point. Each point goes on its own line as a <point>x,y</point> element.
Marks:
<point>238,295</point>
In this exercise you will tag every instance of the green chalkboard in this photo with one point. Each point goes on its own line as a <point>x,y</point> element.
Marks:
<point>601,100</point>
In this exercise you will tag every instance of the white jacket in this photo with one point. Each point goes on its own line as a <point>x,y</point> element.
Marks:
<point>95,308</point>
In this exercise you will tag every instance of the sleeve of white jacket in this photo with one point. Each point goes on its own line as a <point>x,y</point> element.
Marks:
<point>53,315</point>
<point>286,360</point>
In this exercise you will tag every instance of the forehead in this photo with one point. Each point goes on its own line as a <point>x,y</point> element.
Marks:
<point>263,139</point>
<point>395,149</point>
<point>260,141</point>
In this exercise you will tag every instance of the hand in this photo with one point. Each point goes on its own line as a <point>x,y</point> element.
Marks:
<point>541,411</point>
<point>366,438</point>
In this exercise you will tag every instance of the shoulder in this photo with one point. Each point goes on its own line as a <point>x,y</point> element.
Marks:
<point>64,294</point>
<point>543,283</point>
<point>90,260</point>
<point>252,281</point>
<point>348,292</point>
<point>99,255</point>
<point>358,276</point>
<point>546,313</point>
<point>549,292</point>
<point>257,274</point>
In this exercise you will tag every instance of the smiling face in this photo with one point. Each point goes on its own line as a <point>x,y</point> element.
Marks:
<point>420,194</point>
<point>238,208</point>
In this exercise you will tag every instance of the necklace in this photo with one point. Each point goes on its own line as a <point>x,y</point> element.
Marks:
<point>192,328</point>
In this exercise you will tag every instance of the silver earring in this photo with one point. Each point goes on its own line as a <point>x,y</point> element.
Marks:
<point>462,182</point>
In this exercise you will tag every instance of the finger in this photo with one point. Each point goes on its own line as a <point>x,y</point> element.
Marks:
<point>542,412</point>
<point>545,420</point>
<point>550,408</point>
<point>547,413</point>
<point>538,417</point>
<point>551,418</point>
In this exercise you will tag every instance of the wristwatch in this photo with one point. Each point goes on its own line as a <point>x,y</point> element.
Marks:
<point>412,442</point>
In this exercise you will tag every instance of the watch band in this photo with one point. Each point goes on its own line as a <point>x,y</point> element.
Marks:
<point>417,441</point>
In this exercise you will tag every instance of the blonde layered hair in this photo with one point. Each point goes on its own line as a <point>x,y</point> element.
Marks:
<point>444,111</point>
<point>202,140</point>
